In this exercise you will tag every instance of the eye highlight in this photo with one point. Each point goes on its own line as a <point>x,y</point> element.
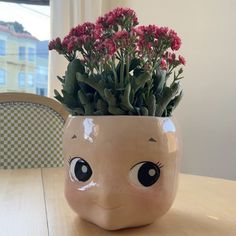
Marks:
<point>145,173</point>
<point>79,169</point>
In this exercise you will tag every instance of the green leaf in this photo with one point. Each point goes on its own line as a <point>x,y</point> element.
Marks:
<point>140,81</point>
<point>174,103</point>
<point>159,81</point>
<point>116,110</point>
<point>138,72</point>
<point>91,82</point>
<point>71,85</point>
<point>58,96</point>
<point>144,111</point>
<point>61,79</point>
<point>102,107</point>
<point>125,99</point>
<point>69,100</point>
<point>109,97</point>
<point>168,94</point>
<point>151,105</point>
<point>84,100</point>
<point>134,63</point>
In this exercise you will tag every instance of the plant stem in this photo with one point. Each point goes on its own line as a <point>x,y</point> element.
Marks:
<point>127,67</point>
<point>113,65</point>
<point>122,68</point>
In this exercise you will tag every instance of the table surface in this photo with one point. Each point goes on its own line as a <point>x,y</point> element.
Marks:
<point>32,203</point>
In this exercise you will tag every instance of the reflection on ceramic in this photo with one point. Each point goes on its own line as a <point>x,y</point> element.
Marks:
<point>121,171</point>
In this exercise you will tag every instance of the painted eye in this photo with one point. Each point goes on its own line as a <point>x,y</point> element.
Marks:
<point>80,170</point>
<point>145,173</point>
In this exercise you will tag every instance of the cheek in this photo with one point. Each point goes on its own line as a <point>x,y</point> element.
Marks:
<point>79,195</point>
<point>151,201</point>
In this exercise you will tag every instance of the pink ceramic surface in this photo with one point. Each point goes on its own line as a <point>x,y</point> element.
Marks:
<point>121,171</point>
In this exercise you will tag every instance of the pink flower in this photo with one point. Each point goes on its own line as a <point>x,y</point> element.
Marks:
<point>125,17</point>
<point>110,46</point>
<point>175,40</point>
<point>122,39</point>
<point>147,39</point>
<point>51,45</point>
<point>55,44</point>
<point>73,44</point>
<point>182,60</point>
<point>170,57</point>
<point>143,31</point>
<point>121,35</point>
<point>162,31</point>
<point>105,48</point>
<point>163,64</point>
<point>85,29</point>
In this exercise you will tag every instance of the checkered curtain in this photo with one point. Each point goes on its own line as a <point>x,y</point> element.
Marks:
<point>30,136</point>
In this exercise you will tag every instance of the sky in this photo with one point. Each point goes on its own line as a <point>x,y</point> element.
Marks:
<point>35,19</point>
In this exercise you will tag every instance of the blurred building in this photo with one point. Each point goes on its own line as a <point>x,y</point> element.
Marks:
<point>23,61</point>
<point>41,79</point>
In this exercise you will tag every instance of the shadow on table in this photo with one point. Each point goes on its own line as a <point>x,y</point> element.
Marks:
<point>174,223</point>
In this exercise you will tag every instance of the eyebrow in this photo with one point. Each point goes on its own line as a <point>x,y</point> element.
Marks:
<point>74,136</point>
<point>152,140</point>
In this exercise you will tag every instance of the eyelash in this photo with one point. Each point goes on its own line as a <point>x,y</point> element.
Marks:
<point>71,159</point>
<point>159,164</point>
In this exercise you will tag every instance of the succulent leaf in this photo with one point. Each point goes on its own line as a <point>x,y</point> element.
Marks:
<point>168,94</point>
<point>71,84</point>
<point>151,105</point>
<point>62,80</point>
<point>58,96</point>
<point>144,111</point>
<point>84,100</point>
<point>83,78</point>
<point>140,81</point>
<point>125,99</point>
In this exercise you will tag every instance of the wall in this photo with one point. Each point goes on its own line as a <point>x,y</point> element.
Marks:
<point>207,114</point>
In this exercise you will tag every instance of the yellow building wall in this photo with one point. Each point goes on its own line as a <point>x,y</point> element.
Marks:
<point>13,65</point>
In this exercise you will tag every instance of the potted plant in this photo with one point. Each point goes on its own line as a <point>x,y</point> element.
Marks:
<point>120,142</point>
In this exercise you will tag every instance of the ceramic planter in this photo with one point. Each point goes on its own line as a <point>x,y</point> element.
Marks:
<point>121,171</point>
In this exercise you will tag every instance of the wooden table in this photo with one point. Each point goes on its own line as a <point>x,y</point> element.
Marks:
<point>32,203</point>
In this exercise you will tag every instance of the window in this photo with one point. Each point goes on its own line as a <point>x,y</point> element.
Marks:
<point>2,47</point>
<point>24,36</point>
<point>31,80</point>
<point>21,53</point>
<point>31,54</point>
<point>21,80</point>
<point>2,77</point>
<point>41,91</point>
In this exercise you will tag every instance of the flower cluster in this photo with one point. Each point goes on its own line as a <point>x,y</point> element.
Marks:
<point>116,46</point>
<point>124,18</point>
<point>117,35</point>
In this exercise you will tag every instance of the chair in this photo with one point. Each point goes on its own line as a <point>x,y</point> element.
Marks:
<point>30,131</point>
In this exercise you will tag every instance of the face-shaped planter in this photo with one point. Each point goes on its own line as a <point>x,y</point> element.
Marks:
<point>121,171</point>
